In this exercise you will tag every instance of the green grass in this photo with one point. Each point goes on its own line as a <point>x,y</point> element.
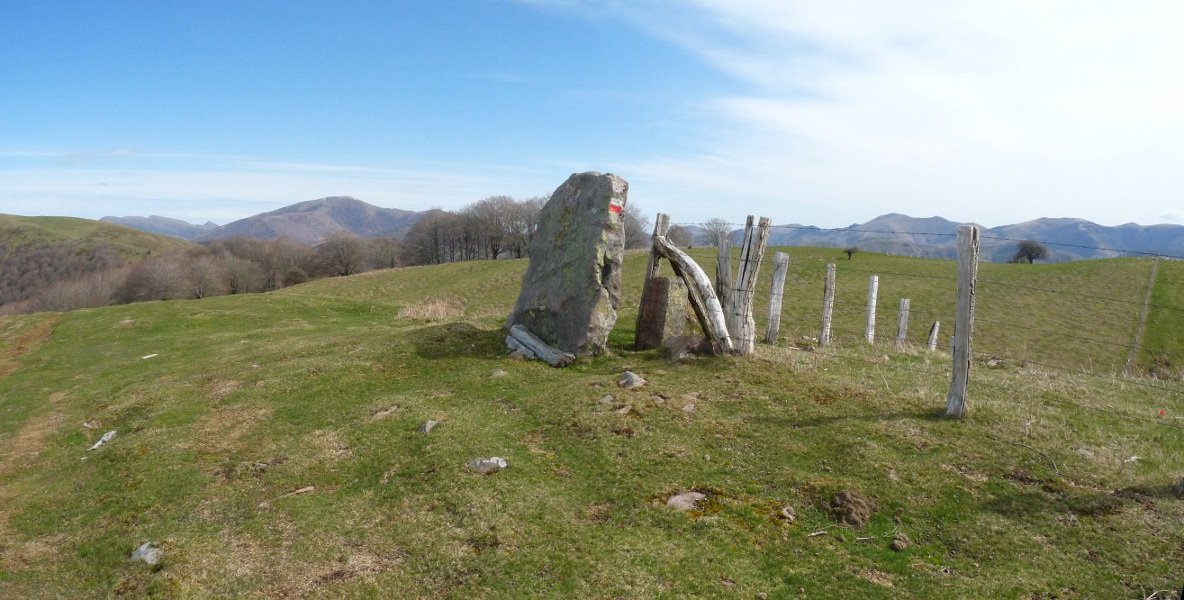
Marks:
<point>84,234</point>
<point>250,398</point>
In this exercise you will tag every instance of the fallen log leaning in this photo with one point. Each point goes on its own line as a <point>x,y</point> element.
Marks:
<point>553,356</point>
<point>701,294</point>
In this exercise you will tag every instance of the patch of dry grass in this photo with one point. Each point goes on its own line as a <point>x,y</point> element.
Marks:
<point>434,310</point>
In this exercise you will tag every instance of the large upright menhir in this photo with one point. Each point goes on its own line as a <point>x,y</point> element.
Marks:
<point>572,285</point>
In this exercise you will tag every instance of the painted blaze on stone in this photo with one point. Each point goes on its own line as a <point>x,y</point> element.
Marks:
<point>572,285</point>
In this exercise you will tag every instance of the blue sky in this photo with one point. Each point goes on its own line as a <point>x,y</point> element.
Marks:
<point>825,113</point>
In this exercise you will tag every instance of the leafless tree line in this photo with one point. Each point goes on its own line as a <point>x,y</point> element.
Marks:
<point>52,278</point>
<point>61,277</point>
<point>493,228</point>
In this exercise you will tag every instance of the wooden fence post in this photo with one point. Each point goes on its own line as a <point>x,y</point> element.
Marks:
<point>780,268</point>
<point>968,248</point>
<point>741,325</point>
<point>661,226</point>
<point>933,335</point>
<point>902,328</point>
<point>723,272</point>
<point>828,305</point>
<point>873,288</point>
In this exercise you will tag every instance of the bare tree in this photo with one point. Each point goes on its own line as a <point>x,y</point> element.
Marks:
<point>717,230</point>
<point>637,225</point>
<point>344,253</point>
<point>207,276</point>
<point>523,224</point>
<point>493,218</point>
<point>1029,250</point>
<point>850,250</point>
<point>680,236</point>
<point>157,278</point>
<point>384,252</point>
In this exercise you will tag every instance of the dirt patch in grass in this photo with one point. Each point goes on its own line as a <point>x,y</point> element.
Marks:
<point>228,428</point>
<point>17,340</point>
<point>851,508</point>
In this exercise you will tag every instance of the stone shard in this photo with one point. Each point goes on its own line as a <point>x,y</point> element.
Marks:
<point>572,285</point>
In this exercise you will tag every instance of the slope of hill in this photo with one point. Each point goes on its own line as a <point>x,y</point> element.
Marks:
<point>37,252</point>
<point>83,234</point>
<point>315,220</point>
<point>163,226</point>
<point>267,445</point>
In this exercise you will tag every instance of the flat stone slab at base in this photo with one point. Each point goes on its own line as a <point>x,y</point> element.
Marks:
<point>572,285</point>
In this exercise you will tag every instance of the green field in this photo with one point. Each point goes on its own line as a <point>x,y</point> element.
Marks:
<point>1058,484</point>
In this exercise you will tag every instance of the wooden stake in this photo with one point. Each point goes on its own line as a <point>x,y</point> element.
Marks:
<point>661,227</point>
<point>739,312</point>
<point>902,328</point>
<point>933,335</point>
<point>873,288</point>
<point>968,248</point>
<point>780,268</point>
<point>723,272</point>
<point>828,305</point>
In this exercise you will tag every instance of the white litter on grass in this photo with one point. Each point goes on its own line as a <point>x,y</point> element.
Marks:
<point>149,356</point>
<point>107,437</point>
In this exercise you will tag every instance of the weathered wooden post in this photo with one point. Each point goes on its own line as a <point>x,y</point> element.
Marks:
<point>828,305</point>
<point>741,325</point>
<point>780,268</point>
<point>933,335</point>
<point>700,293</point>
<point>902,327</point>
<point>656,296</point>
<point>873,288</point>
<point>968,248</point>
<point>723,271</point>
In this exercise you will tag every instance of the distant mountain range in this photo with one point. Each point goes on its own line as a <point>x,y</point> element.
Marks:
<point>308,222</point>
<point>934,237</point>
<point>1067,239</point>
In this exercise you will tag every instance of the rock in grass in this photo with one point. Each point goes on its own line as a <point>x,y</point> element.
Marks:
<point>572,284</point>
<point>427,426</point>
<point>148,553</point>
<point>685,501</point>
<point>498,374</point>
<point>630,380</point>
<point>485,466</point>
<point>901,542</point>
<point>1180,488</point>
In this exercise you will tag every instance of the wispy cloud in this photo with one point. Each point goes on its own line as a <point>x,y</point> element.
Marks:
<point>981,111</point>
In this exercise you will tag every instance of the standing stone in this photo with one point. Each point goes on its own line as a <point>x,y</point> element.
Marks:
<point>572,285</point>
<point>665,312</point>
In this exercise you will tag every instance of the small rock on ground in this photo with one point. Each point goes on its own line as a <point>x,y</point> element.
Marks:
<point>685,501</point>
<point>427,426</point>
<point>498,373</point>
<point>607,399</point>
<point>485,466</point>
<point>147,552</point>
<point>630,380</point>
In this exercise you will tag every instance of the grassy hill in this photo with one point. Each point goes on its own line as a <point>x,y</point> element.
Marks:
<point>228,410</point>
<point>83,234</point>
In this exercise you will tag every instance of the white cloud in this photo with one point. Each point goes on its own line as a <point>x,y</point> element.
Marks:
<point>994,112</point>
